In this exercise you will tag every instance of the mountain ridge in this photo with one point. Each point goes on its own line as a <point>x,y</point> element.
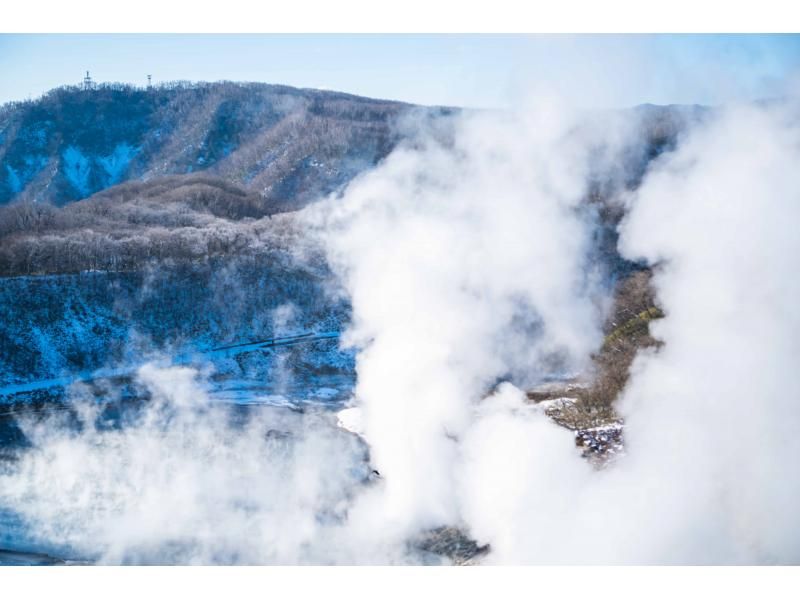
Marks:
<point>287,144</point>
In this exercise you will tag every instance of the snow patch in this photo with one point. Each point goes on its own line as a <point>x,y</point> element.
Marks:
<point>556,403</point>
<point>13,180</point>
<point>77,169</point>
<point>352,420</point>
<point>117,162</point>
<point>325,392</point>
<point>17,179</point>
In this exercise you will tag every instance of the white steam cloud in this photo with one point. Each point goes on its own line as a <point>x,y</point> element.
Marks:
<point>712,417</point>
<point>469,269</point>
<point>440,248</point>
<point>465,265</point>
<point>187,480</point>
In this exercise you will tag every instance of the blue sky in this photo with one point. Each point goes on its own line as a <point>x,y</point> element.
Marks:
<point>452,69</point>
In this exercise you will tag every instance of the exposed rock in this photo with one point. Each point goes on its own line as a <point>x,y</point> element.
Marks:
<point>451,543</point>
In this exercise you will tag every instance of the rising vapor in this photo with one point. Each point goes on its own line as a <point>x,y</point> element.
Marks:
<point>471,268</point>
<point>466,265</point>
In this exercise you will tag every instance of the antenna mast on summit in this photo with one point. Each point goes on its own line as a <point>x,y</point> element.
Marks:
<point>87,81</point>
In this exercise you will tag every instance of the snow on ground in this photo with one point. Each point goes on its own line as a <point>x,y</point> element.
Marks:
<point>77,169</point>
<point>352,420</point>
<point>116,163</point>
<point>556,403</point>
<point>335,386</point>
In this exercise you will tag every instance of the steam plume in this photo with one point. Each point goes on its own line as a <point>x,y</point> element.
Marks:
<point>468,264</point>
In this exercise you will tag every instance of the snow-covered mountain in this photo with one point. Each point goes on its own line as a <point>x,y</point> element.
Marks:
<point>287,145</point>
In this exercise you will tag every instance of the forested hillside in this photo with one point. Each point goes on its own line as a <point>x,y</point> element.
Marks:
<point>287,145</point>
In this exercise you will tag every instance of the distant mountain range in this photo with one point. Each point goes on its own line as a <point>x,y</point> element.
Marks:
<point>284,144</point>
